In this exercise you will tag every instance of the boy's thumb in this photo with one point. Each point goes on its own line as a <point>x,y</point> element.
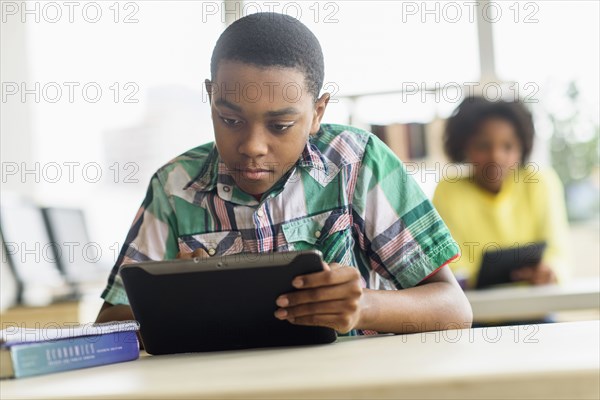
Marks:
<point>200,253</point>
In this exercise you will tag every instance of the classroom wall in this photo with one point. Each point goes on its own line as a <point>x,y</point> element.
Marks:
<point>165,56</point>
<point>16,141</point>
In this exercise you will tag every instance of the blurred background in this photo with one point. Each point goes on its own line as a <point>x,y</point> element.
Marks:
<point>97,95</point>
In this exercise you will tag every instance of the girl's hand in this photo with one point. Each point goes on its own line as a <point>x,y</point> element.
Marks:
<point>541,274</point>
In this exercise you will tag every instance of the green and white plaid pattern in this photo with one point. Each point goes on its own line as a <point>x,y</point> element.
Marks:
<point>348,196</point>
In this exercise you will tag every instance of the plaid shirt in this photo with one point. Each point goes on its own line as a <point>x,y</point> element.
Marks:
<point>348,196</point>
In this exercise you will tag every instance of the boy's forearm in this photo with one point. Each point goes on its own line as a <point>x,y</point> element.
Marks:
<point>119,312</point>
<point>429,307</point>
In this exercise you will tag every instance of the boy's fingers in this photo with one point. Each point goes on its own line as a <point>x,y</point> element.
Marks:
<point>336,292</point>
<point>339,275</point>
<point>184,255</point>
<point>331,266</point>
<point>325,307</point>
<point>201,253</point>
<point>333,321</point>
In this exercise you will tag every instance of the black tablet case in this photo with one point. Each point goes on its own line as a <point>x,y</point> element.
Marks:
<point>218,309</point>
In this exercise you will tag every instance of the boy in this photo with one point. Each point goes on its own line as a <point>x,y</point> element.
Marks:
<point>277,180</point>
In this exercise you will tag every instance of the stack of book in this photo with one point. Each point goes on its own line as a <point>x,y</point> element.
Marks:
<point>28,352</point>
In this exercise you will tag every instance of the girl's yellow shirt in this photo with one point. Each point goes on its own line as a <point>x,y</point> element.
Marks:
<point>529,208</point>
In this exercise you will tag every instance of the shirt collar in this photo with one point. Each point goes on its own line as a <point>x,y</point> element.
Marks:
<point>206,180</point>
<point>312,158</point>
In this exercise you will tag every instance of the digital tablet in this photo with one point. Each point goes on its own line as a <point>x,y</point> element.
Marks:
<point>497,265</point>
<point>219,303</point>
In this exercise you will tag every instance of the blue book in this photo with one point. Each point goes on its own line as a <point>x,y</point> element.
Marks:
<point>32,356</point>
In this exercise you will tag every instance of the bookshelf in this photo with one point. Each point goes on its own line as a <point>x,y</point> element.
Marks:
<point>418,139</point>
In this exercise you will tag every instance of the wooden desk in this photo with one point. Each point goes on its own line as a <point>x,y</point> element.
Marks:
<point>545,361</point>
<point>533,301</point>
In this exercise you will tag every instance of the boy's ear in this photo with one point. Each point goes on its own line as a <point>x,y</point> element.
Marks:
<point>208,84</point>
<point>320,106</point>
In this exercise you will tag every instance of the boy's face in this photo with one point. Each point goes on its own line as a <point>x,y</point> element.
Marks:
<point>262,118</point>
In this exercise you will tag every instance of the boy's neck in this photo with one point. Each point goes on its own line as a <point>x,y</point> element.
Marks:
<point>257,196</point>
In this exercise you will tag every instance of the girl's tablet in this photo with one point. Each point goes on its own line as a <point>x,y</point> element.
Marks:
<point>219,303</point>
<point>497,266</point>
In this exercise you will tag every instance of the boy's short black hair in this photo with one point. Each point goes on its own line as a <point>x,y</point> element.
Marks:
<point>272,40</point>
<point>465,121</point>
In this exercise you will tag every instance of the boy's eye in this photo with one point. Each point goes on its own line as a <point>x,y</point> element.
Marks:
<point>231,121</point>
<point>281,127</point>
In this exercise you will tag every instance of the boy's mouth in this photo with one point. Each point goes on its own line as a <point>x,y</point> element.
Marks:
<point>254,174</point>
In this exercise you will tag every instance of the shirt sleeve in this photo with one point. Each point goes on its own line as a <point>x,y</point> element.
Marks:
<point>442,201</point>
<point>397,227</point>
<point>152,237</point>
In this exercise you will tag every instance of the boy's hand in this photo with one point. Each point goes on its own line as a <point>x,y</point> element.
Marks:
<point>331,298</point>
<point>201,253</point>
<point>540,274</point>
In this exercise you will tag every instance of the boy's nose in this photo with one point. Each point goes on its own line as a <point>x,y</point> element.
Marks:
<point>254,144</point>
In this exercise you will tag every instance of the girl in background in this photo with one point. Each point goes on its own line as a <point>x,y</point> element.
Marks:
<point>503,202</point>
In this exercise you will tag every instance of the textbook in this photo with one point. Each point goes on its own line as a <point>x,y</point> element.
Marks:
<point>28,352</point>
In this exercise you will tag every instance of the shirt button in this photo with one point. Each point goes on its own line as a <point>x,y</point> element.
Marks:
<point>211,252</point>
<point>318,234</point>
<point>260,213</point>
<point>226,189</point>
